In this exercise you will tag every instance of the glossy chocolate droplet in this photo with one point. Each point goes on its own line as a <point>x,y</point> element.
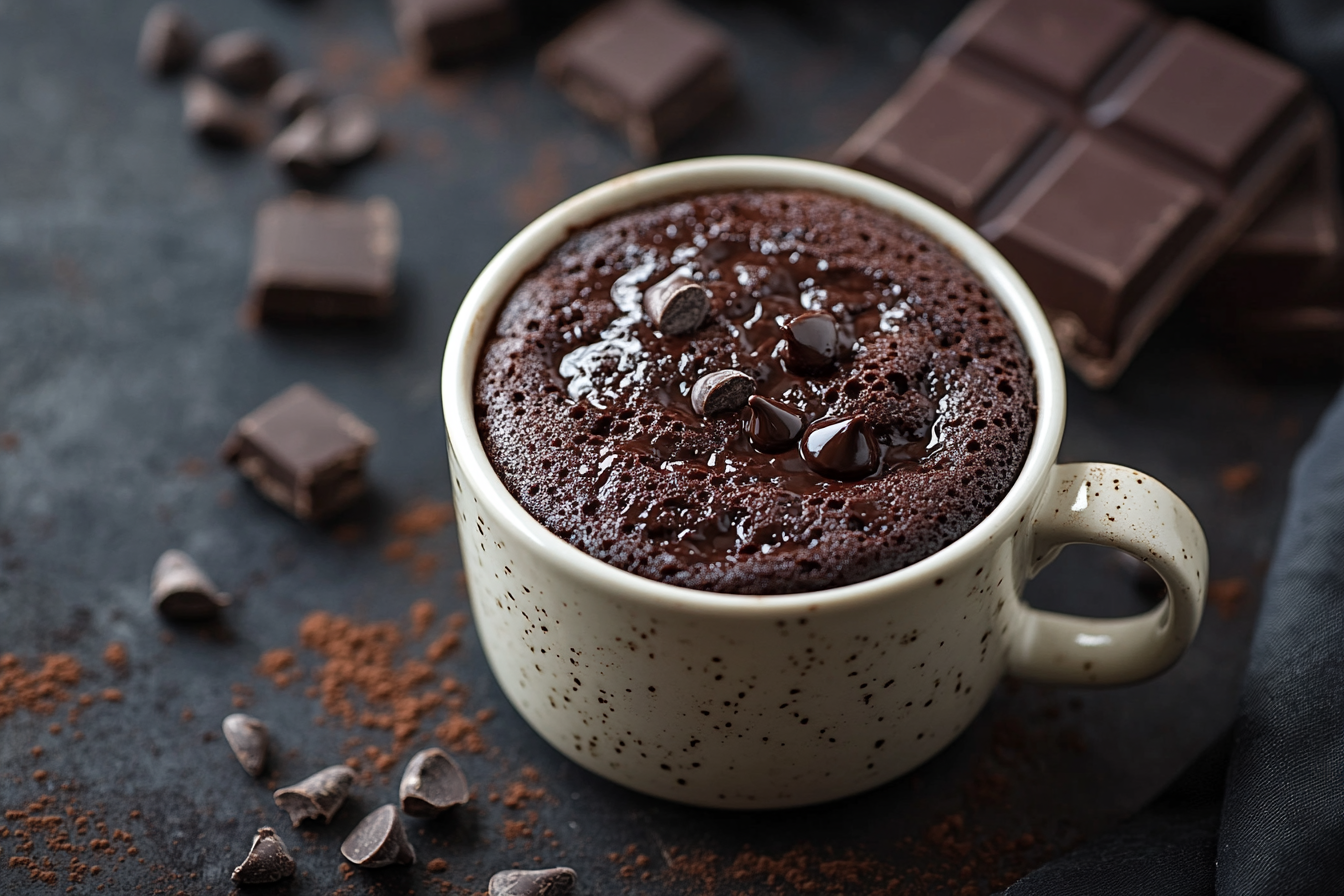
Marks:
<point>774,426</point>
<point>841,448</point>
<point>676,305</point>
<point>812,342</point>
<point>721,391</point>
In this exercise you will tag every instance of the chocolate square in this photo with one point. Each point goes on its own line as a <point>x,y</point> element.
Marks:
<point>443,32</point>
<point>1093,230</point>
<point>1065,46</point>
<point>648,67</point>
<point>951,136</point>
<point>324,259</point>
<point>302,451</point>
<point>1207,96</point>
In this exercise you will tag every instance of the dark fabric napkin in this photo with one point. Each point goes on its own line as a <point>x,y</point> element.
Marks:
<point>1262,810</point>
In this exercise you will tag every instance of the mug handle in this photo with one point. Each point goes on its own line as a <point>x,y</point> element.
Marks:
<point>1116,507</point>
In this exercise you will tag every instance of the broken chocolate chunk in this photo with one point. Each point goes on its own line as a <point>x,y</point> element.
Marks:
<point>249,739</point>
<point>811,342</point>
<point>167,41</point>
<point>243,60</point>
<point>676,305</point>
<point>774,427</point>
<point>181,591</point>
<point>303,451</point>
<point>294,94</point>
<point>267,861</point>
<point>353,130</point>
<point>541,882</point>
<point>316,796</point>
<point>318,259</point>
<point>444,32</point>
<point>301,150</point>
<point>214,116</point>
<point>379,840</point>
<point>721,391</point>
<point>432,784</point>
<point>843,449</point>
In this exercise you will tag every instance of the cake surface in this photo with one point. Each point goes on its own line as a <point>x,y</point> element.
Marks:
<point>877,448</point>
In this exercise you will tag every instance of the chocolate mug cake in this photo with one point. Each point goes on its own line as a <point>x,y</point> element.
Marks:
<point>755,392</point>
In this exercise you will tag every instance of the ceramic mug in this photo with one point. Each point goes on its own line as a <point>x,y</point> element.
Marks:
<point>739,701</point>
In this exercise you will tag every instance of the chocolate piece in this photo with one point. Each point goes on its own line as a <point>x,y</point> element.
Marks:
<point>316,796</point>
<point>267,861</point>
<point>774,427</point>
<point>1109,154</point>
<point>181,591</point>
<point>542,882</point>
<point>647,67</point>
<point>843,449</point>
<point>721,391</point>
<point>301,149</point>
<point>812,342</point>
<point>379,840</point>
<point>243,60</point>
<point>432,784</point>
<point>167,41</point>
<point>320,259</point>
<point>353,130</point>
<point>676,305</point>
<point>294,94</point>
<point>444,32</point>
<point>249,739</point>
<point>303,451</point>
<point>216,117</point>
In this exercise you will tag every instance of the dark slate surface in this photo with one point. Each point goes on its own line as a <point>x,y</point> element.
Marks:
<point>124,251</point>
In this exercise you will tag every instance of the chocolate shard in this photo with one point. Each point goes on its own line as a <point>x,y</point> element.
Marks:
<point>243,60</point>
<point>379,840</point>
<point>676,305</point>
<point>353,130</point>
<point>721,391</point>
<point>432,784</point>
<point>168,41</point>
<point>446,32</point>
<point>294,94</point>
<point>843,448</point>
<point>214,116</point>
<point>316,796</point>
<point>181,591</point>
<point>541,882</point>
<point>249,739</point>
<point>774,426</point>
<point>301,150</point>
<point>812,342</point>
<point>267,862</point>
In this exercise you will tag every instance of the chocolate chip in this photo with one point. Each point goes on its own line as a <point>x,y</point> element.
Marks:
<point>353,130</point>
<point>316,796</point>
<point>676,305</point>
<point>812,342</point>
<point>167,41</point>
<point>301,150</point>
<point>774,426</point>
<point>243,60</point>
<point>379,840</point>
<point>431,784</point>
<point>294,94</point>
<point>841,448</point>
<point>267,862</point>
<point>180,590</point>
<point>214,116</point>
<point>543,882</point>
<point>721,391</point>
<point>248,738</point>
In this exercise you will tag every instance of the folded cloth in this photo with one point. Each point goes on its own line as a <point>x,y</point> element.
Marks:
<point>1262,810</point>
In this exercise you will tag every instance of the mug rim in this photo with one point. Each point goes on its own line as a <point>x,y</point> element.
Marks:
<point>496,282</point>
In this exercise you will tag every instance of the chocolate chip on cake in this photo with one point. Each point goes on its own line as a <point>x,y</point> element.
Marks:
<point>721,391</point>
<point>676,305</point>
<point>774,426</point>
<point>841,449</point>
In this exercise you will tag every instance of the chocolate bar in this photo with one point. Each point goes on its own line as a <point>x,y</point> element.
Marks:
<point>1111,154</point>
<point>647,67</point>
<point>319,259</point>
<point>302,451</point>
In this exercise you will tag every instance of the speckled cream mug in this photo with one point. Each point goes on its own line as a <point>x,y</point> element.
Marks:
<point>740,701</point>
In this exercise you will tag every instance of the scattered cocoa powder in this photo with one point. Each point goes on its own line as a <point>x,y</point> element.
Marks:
<point>436,866</point>
<point>277,664</point>
<point>1227,595</point>
<point>9,441</point>
<point>115,656</point>
<point>1239,477</point>
<point>399,551</point>
<point>41,691</point>
<point>423,518</point>
<point>422,617</point>
<point>112,695</point>
<point>423,567</point>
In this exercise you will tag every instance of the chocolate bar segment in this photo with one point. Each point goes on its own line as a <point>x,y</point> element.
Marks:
<point>1110,154</point>
<point>318,259</point>
<point>302,451</point>
<point>647,67</point>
